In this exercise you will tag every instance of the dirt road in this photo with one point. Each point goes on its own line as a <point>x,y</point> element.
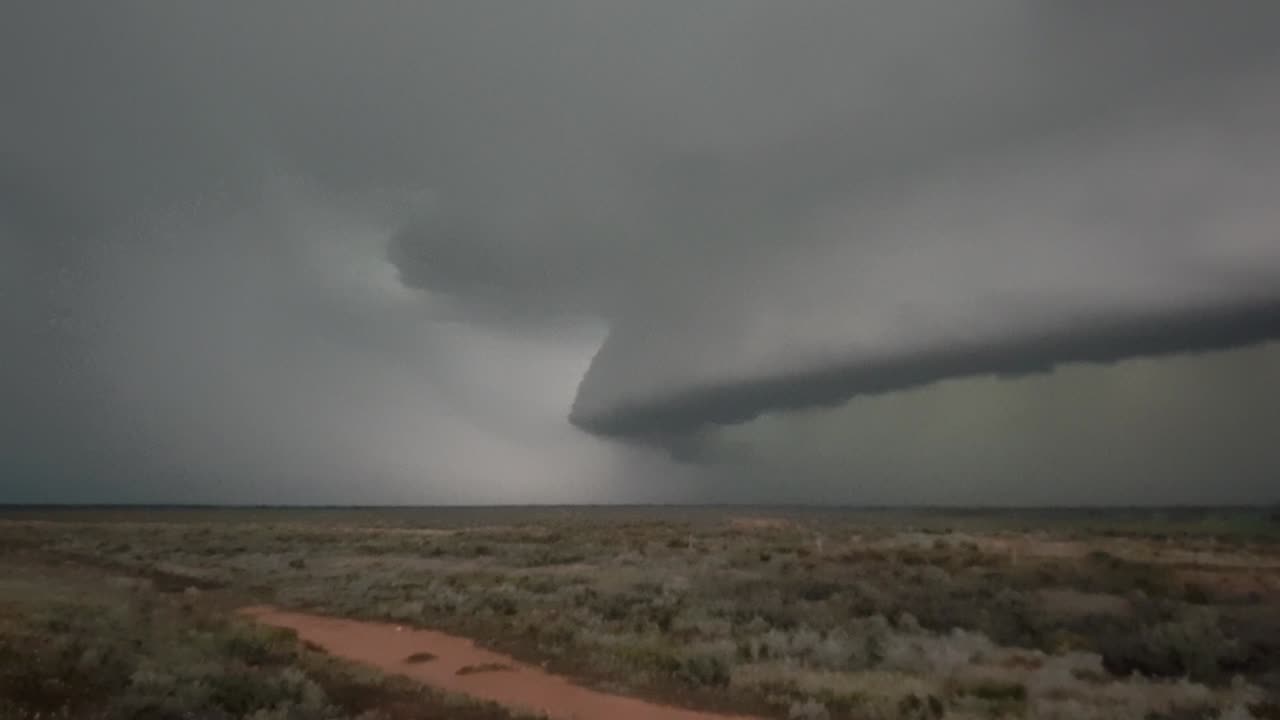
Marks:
<point>455,664</point>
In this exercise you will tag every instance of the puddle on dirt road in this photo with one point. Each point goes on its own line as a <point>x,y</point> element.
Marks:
<point>455,664</point>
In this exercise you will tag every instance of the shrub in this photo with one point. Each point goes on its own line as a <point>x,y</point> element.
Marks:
<point>649,658</point>
<point>500,604</point>
<point>704,670</point>
<point>258,645</point>
<point>483,668</point>
<point>913,707</point>
<point>817,590</point>
<point>1191,643</point>
<point>538,584</point>
<point>808,710</point>
<point>996,691</point>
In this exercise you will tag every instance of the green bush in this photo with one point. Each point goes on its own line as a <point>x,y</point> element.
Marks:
<point>1190,643</point>
<point>704,670</point>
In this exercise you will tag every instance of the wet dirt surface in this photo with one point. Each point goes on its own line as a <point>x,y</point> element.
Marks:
<point>460,666</point>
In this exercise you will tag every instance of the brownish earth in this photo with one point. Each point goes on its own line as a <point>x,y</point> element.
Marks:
<point>1066,602</point>
<point>1232,583</point>
<point>460,666</point>
<point>760,523</point>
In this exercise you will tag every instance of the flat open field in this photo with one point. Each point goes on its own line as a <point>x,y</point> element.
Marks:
<point>638,613</point>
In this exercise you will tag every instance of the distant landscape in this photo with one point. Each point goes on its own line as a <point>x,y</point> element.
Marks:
<point>459,360</point>
<point>773,612</point>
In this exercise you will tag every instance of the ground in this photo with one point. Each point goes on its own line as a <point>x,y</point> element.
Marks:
<point>765,612</point>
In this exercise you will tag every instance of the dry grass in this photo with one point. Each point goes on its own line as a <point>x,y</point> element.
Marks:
<point>822,615</point>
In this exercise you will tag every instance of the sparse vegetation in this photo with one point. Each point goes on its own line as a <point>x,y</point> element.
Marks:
<point>136,654</point>
<point>889,616</point>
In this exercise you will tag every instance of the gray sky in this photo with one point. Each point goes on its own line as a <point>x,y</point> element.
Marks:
<point>665,251</point>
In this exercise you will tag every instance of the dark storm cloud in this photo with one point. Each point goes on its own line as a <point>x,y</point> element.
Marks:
<point>792,118</point>
<point>1150,235</point>
<point>1179,430</point>
<point>259,249</point>
<point>196,208</point>
<point>1101,341</point>
<point>1121,217</point>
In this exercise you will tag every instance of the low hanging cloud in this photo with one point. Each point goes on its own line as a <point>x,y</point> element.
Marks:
<point>1154,234</point>
<point>276,246</point>
<point>994,199</point>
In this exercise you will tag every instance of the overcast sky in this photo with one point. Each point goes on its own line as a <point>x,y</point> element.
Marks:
<point>908,251</point>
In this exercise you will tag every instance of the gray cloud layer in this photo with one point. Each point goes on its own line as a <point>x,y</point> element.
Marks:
<point>1182,430</point>
<point>287,249</point>
<point>1143,225</point>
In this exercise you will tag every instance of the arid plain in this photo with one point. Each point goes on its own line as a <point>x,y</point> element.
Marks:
<point>639,612</point>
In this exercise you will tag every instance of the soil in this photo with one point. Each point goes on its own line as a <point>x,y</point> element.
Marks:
<point>460,666</point>
<point>760,523</point>
<point>1233,585</point>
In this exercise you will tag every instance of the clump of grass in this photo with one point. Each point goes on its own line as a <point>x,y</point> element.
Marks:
<point>997,691</point>
<point>808,710</point>
<point>483,668</point>
<point>704,670</point>
<point>929,707</point>
<point>419,658</point>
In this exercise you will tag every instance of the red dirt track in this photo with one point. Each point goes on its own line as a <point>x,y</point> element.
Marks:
<point>515,685</point>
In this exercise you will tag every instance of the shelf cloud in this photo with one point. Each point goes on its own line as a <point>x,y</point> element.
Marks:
<point>482,251</point>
